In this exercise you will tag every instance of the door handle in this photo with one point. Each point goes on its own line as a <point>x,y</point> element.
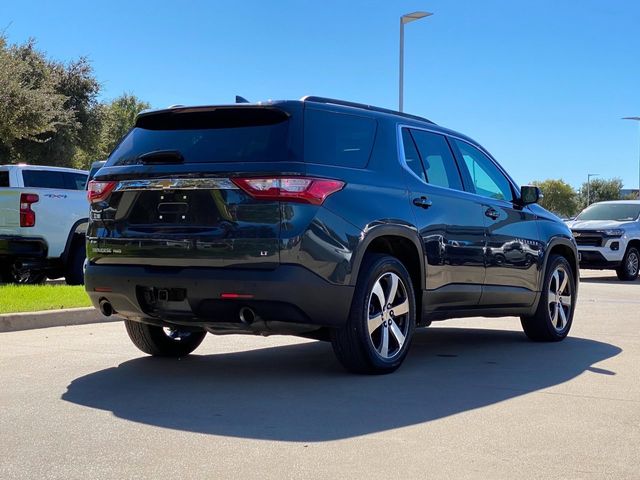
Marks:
<point>492,213</point>
<point>422,202</point>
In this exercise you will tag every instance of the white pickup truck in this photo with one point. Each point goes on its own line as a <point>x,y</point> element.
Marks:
<point>608,237</point>
<point>43,218</point>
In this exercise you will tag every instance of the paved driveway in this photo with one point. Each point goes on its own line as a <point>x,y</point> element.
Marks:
<point>474,399</point>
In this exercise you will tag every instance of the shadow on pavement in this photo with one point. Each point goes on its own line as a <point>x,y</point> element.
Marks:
<point>300,393</point>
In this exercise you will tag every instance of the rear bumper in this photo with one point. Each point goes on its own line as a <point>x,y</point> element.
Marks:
<point>23,247</point>
<point>192,296</point>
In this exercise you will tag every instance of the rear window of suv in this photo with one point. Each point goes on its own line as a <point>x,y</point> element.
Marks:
<point>332,138</point>
<point>209,136</point>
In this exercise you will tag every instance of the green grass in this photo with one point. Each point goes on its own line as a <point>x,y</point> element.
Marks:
<point>32,298</point>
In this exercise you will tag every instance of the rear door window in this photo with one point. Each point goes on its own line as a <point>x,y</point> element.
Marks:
<point>333,138</point>
<point>411,156</point>
<point>437,159</point>
<point>53,179</point>
<point>43,179</point>
<point>4,179</point>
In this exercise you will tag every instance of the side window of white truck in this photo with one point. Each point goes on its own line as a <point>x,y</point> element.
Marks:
<point>57,180</point>
<point>4,178</point>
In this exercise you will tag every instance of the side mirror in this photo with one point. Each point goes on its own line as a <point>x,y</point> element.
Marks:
<point>530,194</point>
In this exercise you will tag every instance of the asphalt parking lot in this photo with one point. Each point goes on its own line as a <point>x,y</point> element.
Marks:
<point>474,399</point>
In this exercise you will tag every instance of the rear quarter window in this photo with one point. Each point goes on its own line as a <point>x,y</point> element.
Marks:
<point>4,179</point>
<point>332,138</point>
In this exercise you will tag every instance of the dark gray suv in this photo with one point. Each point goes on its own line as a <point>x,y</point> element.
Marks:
<point>319,218</point>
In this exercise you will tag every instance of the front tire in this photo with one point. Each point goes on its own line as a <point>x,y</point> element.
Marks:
<point>554,315</point>
<point>379,329</point>
<point>163,342</point>
<point>630,267</point>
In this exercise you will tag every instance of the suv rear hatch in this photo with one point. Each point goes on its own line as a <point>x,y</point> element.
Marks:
<point>195,187</point>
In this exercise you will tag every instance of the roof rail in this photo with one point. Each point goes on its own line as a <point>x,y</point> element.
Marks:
<point>314,99</point>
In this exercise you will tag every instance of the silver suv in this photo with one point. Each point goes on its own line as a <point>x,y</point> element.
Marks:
<point>608,237</point>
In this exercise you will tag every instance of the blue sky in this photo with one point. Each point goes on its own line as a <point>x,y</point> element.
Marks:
<point>542,84</point>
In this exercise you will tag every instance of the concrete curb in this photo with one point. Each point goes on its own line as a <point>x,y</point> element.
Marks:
<point>12,322</point>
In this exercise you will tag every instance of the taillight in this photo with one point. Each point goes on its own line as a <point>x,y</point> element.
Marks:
<point>28,216</point>
<point>99,191</point>
<point>290,189</point>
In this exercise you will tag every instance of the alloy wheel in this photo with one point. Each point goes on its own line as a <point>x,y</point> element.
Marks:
<point>388,320</point>
<point>560,298</point>
<point>632,264</point>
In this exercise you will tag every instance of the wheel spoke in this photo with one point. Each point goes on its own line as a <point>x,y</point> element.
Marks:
<point>562,318</point>
<point>393,289</point>
<point>378,292</point>
<point>374,323</point>
<point>401,309</point>
<point>397,333</point>
<point>384,346</point>
<point>565,280</point>
<point>555,280</point>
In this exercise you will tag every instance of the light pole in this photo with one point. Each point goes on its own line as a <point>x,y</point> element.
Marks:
<point>638,120</point>
<point>589,175</point>
<point>409,17</point>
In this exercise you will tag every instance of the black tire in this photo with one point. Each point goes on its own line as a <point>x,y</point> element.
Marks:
<point>22,277</point>
<point>74,270</point>
<point>354,346</point>
<point>553,318</point>
<point>630,267</point>
<point>157,342</point>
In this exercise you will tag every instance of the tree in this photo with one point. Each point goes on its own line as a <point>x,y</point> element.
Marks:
<point>600,190</point>
<point>31,108</point>
<point>559,197</point>
<point>118,117</point>
<point>49,113</point>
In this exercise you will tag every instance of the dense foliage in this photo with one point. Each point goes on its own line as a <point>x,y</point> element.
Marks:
<point>50,113</point>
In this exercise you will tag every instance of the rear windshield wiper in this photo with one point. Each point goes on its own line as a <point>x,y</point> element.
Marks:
<point>161,157</point>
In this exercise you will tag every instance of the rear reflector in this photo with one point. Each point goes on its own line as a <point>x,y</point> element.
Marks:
<point>290,189</point>
<point>28,216</point>
<point>99,191</point>
<point>102,289</point>
<point>233,296</point>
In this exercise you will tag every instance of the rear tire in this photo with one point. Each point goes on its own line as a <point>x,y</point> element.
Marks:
<point>554,315</point>
<point>158,342</point>
<point>74,273</point>
<point>630,267</point>
<point>379,329</point>
<point>22,277</point>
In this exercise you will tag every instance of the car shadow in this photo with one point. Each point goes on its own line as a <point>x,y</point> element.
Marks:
<point>300,393</point>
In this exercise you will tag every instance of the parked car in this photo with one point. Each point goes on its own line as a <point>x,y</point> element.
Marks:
<point>608,237</point>
<point>95,166</point>
<point>43,219</point>
<point>319,218</point>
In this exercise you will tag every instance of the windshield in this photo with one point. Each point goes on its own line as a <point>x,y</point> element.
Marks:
<point>620,212</point>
